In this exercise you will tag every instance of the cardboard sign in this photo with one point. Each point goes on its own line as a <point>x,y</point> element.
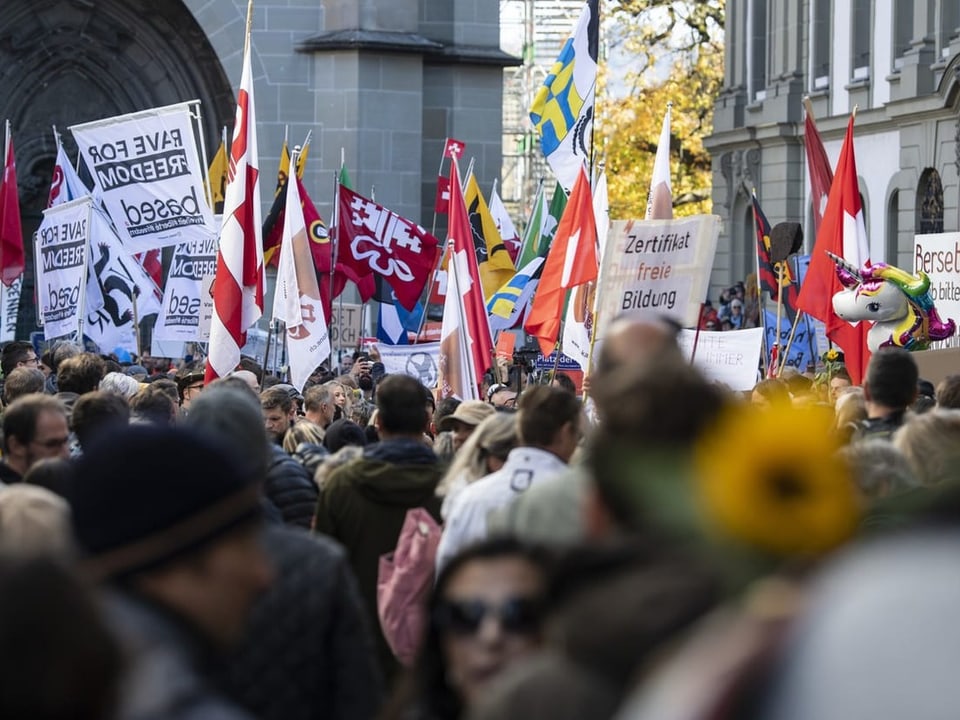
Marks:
<point>731,357</point>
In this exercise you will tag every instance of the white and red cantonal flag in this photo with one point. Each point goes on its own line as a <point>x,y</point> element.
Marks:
<point>238,284</point>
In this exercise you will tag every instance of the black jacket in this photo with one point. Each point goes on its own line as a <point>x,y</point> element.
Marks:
<point>290,489</point>
<point>308,651</point>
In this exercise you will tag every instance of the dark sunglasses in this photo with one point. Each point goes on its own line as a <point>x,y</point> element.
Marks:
<point>518,616</point>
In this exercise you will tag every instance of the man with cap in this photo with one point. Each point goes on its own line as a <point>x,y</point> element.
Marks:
<point>189,385</point>
<point>178,555</point>
<point>465,419</point>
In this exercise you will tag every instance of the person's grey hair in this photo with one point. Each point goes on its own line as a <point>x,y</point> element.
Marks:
<point>65,350</point>
<point>120,384</point>
<point>34,522</point>
<point>931,444</point>
<point>878,468</point>
<point>234,416</point>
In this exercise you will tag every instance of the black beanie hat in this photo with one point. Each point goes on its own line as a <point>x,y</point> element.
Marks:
<point>342,433</point>
<point>151,494</point>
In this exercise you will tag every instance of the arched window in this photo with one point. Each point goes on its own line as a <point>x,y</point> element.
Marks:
<point>929,203</point>
<point>892,241</point>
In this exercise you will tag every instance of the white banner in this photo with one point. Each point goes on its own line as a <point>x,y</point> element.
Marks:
<point>147,173</point>
<point>731,358</point>
<point>61,261</point>
<point>939,257</point>
<point>657,268</point>
<point>421,361</point>
<point>10,302</point>
<point>179,317</point>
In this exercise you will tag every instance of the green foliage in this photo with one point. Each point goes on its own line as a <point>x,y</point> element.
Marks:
<point>676,55</point>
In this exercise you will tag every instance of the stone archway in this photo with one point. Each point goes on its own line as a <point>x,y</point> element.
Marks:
<point>929,212</point>
<point>68,61</point>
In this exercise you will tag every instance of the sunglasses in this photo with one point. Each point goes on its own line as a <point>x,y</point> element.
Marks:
<point>517,616</point>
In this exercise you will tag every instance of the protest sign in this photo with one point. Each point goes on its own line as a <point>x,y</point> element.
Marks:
<point>938,255</point>
<point>179,317</point>
<point>804,347</point>
<point>731,357</point>
<point>62,244</point>
<point>655,268</point>
<point>345,325</point>
<point>147,172</point>
<point>420,361</point>
<point>10,303</point>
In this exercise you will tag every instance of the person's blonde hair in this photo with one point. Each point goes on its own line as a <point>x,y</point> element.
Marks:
<point>496,435</point>
<point>931,444</point>
<point>34,521</point>
<point>851,409</point>
<point>302,431</point>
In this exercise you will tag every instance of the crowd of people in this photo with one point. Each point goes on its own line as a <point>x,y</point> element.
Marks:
<point>658,548</point>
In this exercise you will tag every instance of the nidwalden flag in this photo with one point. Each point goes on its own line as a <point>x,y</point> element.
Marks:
<point>298,303</point>
<point>494,261</point>
<point>844,234</point>
<point>373,239</point>
<point>572,261</point>
<point>238,284</point>
<point>11,232</point>
<point>660,199</point>
<point>562,110</point>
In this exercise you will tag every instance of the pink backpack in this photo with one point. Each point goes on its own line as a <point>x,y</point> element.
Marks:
<point>404,581</point>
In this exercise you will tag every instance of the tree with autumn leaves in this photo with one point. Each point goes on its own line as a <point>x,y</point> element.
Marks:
<point>674,50</point>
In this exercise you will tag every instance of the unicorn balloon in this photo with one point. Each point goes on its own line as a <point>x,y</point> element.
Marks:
<point>897,303</point>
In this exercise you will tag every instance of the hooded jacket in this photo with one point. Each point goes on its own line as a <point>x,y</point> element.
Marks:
<point>363,506</point>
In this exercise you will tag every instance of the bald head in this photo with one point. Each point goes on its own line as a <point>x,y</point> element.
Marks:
<point>630,341</point>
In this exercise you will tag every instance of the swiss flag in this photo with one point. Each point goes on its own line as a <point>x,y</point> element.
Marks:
<point>442,202</point>
<point>454,148</point>
<point>843,233</point>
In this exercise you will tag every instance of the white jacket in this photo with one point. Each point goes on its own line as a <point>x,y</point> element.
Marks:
<point>466,521</point>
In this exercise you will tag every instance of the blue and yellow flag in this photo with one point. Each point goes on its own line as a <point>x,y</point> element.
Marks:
<point>510,301</point>
<point>562,110</point>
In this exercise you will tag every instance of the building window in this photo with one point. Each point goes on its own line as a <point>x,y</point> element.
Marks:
<point>757,49</point>
<point>948,25</point>
<point>822,34</point>
<point>902,30</point>
<point>862,33</point>
<point>929,203</point>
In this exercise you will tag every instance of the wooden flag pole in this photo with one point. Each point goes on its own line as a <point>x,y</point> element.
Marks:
<point>266,352</point>
<point>696,335</point>
<point>779,308</point>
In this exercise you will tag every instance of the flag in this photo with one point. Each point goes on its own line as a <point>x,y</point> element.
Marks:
<point>465,338</point>
<point>217,178</point>
<point>454,148</point>
<point>345,176</point>
<point>393,320</point>
<point>505,226</point>
<point>114,279</point>
<point>66,184</point>
<point>273,224</point>
<point>578,320</point>
<point>531,233</point>
<point>660,199</point>
<point>373,239</point>
<point>842,233</point>
<point>298,301</point>
<point>152,265</point>
<point>509,302</point>
<point>558,204</point>
<point>442,201</point>
<point>572,261</point>
<point>492,256</point>
<point>562,110</point>
<point>238,283</point>
<point>818,168</point>
<point>768,271</point>
<point>11,232</point>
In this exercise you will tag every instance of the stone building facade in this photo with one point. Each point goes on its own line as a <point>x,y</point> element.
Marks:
<point>381,81</point>
<point>898,61</point>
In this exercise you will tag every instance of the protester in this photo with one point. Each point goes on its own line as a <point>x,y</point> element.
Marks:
<point>462,421</point>
<point>34,522</point>
<point>770,391</point>
<point>839,381</point>
<point>120,384</point>
<point>484,453</point>
<point>153,406</point>
<point>22,381</point>
<point>279,412</point>
<point>931,444</point>
<point>17,354</point>
<point>550,424</point>
<point>318,405</point>
<point>879,468</point>
<point>99,413</point>
<point>948,392</point>
<point>364,503</point>
<point>307,650</point>
<point>304,443</point>
<point>342,433</point>
<point>851,411</point>
<point>501,396</point>
<point>34,428</point>
<point>889,388</point>
<point>484,615</point>
<point>178,555</point>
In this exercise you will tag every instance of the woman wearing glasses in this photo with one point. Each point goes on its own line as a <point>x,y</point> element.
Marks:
<point>485,614</point>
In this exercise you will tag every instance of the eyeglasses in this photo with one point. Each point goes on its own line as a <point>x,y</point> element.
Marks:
<point>518,616</point>
<point>31,360</point>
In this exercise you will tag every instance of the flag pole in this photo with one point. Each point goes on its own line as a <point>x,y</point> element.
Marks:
<point>430,286</point>
<point>136,322</point>
<point>696,335</point>
<point>266,351</point>
<point>333,263</point>
<point>762,308</point>
<point>793,330</point>
<point>779,306</point>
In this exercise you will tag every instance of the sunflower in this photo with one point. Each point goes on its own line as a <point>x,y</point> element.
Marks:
<point>771,479</point>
